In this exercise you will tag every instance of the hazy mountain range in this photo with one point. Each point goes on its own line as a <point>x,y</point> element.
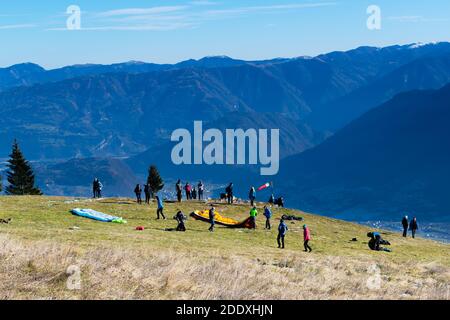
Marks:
<point>115,120</point>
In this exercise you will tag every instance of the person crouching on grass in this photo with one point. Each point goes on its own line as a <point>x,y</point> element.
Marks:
<point>306,238</point>
<point>180,217</point>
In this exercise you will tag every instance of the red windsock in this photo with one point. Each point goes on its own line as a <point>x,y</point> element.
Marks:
<point>264,186</point>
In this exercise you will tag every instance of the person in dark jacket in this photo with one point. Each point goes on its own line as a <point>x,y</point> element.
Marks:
<point>147,193</point>
<point>138,192</point>
<point>268,215</point>
<point>413,227</point>
<point>160,209</point>
<point>194,193</point>
<point>212,217</point>
<point>271,199</point>
<point>201,189</point>
<point>179,190</point>
<point>95,187</point>
<point>229,193</point>
<point>282,230</point>
<point>180,217</point>
<point>405,225</point>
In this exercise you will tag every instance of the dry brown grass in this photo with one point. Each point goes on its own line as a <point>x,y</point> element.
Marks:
<point>39,271</point>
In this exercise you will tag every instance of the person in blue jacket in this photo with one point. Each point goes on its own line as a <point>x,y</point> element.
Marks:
<point>282,230</point>
<point>268,215</point>
<point>160,208</point>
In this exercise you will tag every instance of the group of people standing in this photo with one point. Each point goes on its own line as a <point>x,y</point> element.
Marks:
<point>412,225</point>
<point>192,193</point>
<point>148,192</point>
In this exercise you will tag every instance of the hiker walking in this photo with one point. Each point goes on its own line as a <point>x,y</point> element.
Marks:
<point>180,217</point>
<point>268,215</point>
<point>252,196</point>
<point>179,190</point>
<point>413,227</point>
<point>160,208</point>
<point>253,214</point>
<point>188,190</point>
<point>212,217</point>
<point>405,224</point>
<point>306,238</point>
<point>282,230</point>
<point>138,192</point>
<point>147,192</point>
<point>229,193</point>
<point>201,188</point>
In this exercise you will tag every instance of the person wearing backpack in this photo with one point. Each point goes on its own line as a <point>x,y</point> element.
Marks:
<point>268,215</point>
<point>282,230</point>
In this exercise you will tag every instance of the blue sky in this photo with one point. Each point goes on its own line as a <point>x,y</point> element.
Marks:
<point>171,31</point>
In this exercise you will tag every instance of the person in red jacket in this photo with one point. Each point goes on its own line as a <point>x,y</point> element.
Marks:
<point>306,238</point>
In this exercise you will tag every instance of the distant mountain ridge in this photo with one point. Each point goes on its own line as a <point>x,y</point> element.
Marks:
<point>124,109</point>
<point>393,160</point>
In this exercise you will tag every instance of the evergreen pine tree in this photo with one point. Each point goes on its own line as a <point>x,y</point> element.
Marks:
<point>154,179</point>
<point>20,175</point>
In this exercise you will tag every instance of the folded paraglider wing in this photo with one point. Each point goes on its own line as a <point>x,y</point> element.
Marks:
<point>227,222</point>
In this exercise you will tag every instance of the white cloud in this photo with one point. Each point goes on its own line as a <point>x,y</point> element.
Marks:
<point>269,8</point>
<point>16,26</point>
<point>194,13</point>
<point>141,11</point>
<point>414,19</point>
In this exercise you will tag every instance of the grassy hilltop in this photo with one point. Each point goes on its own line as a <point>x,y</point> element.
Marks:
<point>117,262</point>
